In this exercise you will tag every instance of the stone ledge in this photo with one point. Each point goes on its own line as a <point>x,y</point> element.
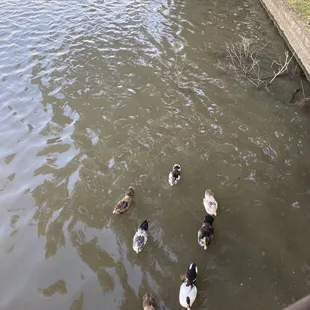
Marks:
<point>292,29</point>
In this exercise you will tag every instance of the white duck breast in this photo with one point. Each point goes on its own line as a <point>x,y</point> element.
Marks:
<point>210,204</point>
<point>187,291</point>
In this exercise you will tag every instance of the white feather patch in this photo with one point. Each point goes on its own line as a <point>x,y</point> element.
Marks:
<point>187,291</point>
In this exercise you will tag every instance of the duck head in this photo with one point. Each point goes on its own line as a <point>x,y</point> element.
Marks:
<point>209,193</point>
<point>148,302</point>
<point>130,191</point>
<point>176,167</point>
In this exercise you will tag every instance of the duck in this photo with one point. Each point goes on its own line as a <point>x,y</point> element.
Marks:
<point>126,202</point>
<point>205,233</point>
<point>188,289</point>
<point>148,302</point>
<point>140,237</point>
<point>210,203</point>
<point>175,175</point>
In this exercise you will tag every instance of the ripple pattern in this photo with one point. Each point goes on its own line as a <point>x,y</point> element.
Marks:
<point>96,95</point>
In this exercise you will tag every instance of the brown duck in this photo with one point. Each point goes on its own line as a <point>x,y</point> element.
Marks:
<point>126,202</point>
<point>148,302</point>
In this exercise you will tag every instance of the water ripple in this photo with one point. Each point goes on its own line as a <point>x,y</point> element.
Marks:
<point>98,95</point>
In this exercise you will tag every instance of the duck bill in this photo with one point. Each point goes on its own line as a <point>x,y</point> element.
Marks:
<point>205,244</point>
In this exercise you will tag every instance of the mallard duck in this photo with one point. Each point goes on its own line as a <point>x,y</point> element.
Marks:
<point>140,237</point>
<point>148,302</point>
<point>126,202</point>
<point>210,203</point>
<point>188,290</point>
<point>205,233</point>
<point>175,175</point>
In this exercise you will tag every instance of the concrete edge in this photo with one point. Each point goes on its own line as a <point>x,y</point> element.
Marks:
<point>302,304</point>
<point>292,29</point>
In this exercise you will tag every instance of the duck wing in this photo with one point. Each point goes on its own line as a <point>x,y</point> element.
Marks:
<point>187,291</point>
<point>206,230</point>
<point>210,206</point>
<point>124,203</point>
<point>174,177</point>
<point>140,237</point>
<point>140,241</point>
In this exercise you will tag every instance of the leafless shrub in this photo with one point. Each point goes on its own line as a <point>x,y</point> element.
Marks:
<point>244,59</point>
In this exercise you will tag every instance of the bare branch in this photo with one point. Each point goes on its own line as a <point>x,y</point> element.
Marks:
<point>282,67</point>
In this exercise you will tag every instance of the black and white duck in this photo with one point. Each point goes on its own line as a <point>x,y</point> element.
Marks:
<point>188,289</point>
<point>205,233</point>
<point>140,237</point>
<point>175,175</point>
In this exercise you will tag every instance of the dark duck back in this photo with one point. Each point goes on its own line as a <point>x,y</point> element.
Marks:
<point>191,274</point>
<point>144,225</point>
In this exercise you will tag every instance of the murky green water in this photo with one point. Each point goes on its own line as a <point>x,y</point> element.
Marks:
<point>98,95</point>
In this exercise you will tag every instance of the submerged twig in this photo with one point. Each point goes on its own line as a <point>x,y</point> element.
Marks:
<point>302,87</point>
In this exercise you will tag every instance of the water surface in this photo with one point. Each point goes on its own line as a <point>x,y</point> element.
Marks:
<point>99,95</point>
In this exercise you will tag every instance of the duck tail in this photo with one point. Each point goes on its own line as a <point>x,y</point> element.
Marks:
<point>177,167</point>
<point>144,225</point>
<point>188,303</point>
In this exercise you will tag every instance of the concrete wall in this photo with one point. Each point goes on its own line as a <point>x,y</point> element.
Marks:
<point>302,304</point>
<point>292,29</point>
